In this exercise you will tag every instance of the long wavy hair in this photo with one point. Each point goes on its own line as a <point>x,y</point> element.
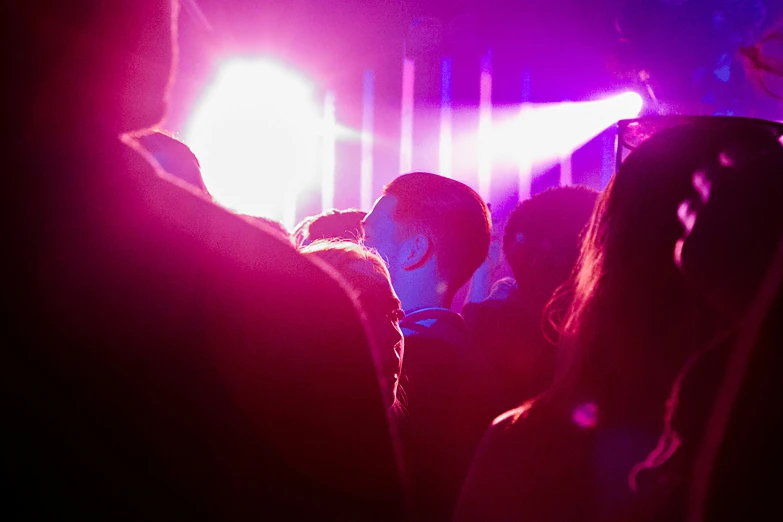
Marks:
<point>634,320</point>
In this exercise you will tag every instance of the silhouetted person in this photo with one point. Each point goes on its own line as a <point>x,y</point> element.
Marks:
<point>541,243</point>
<point>434,232</point>
<point>732,250</point>
<point>168,359</point>
<point>589,448</point>
<point>742,466</point>
<point>343,225</point>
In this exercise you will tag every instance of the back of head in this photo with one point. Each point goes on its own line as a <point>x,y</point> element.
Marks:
<point>174,157</point>
<point>90,63</point>
<point>451,214</point>
<point>344,256</point>
<point>629,292</point>
<point>732,244</point>
<point>342,225</point>
<point>541,239</point>
<point>734,253</point>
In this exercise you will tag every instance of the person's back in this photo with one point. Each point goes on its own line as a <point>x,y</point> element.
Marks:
<point>732,249</point>
<point>446,407</point>
<point>741,467</point>
<point>541,244</point>
<point>514,339</point>
<point>545,463</point>
<point>171,359</point>
<point>434,232</point>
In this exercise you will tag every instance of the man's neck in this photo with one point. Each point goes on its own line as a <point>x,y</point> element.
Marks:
<point>415,297</point>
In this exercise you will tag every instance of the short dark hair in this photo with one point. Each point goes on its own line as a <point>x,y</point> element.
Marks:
<point>555,217</point>
<point>451,214</point>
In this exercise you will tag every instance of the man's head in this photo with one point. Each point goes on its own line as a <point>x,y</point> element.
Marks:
<point>97,62</point>
<point>542,238</point>
<point>433,231</point>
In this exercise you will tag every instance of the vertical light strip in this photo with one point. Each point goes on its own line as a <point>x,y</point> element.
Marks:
<point>525,154</point>
<point>485,128</point>
<point>406,116</point>
<point>444,152</point>
<point>328,153</point>
<point>368,117</point>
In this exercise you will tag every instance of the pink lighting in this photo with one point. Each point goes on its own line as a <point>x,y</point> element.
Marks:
<point>406,118</point>
<point>329,140</point>
<point>585,415</point>
<point>368,121</point>
<point>485,138</point>
<point>256,132</point>
<point>444,145</point>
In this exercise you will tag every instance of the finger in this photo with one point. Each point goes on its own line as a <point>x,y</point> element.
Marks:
<point>686,216</point>
<point>702,184</point>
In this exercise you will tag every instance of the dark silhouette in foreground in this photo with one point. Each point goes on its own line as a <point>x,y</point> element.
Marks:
<point>169,360</point>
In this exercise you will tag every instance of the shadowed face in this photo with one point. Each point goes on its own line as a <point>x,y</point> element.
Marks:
<point>114,59</point>
<point>383,311</point>
<point>382,232</point>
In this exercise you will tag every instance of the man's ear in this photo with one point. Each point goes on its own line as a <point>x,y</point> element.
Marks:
<point>415,251</point>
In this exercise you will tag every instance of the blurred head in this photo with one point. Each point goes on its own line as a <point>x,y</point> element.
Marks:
<point>95,63</point>
<point>542,237</point>
<point>174,157</point>
<point>342,225</point>
<point>367,275</point>
<point>733,218</point>
<point>425,221</point>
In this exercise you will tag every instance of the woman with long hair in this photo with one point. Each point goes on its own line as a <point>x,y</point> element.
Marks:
<point>634,322</point>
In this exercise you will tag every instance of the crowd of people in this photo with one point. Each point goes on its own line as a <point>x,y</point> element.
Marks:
<point>172,359</point>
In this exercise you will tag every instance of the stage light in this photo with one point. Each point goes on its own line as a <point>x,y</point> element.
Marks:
<point>554,130</point>
<point>257,133</point>
<point>630,103</point>
<point>546,133</point>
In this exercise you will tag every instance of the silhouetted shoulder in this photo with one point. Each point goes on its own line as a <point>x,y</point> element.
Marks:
<point>182,360</point>
<point>523,455</point>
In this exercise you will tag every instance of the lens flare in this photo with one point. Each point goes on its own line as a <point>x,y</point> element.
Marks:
<point>257,133</point>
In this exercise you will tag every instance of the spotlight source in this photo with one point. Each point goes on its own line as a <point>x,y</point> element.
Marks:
<point>542,133</point>
<point>256,132</point>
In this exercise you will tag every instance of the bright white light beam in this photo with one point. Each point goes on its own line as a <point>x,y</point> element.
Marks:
<point>256,132</point>
<point>548,132</point>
